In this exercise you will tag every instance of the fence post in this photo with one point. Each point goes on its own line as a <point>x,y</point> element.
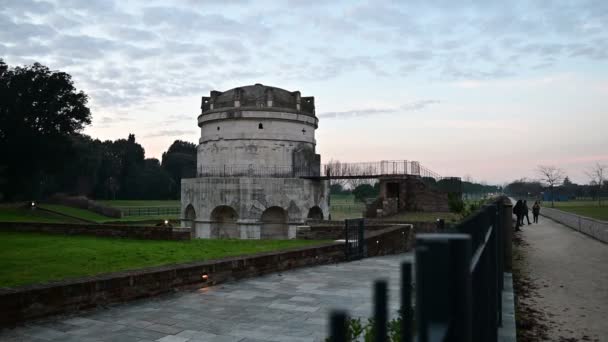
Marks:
<point>380,310</point>
<point>346,245</point>
<point>433,281</point>
<point>493,274</point>
<point>507,231</point>
<point>338,327</point>
<point>406,302</point>
<point>463,297</point>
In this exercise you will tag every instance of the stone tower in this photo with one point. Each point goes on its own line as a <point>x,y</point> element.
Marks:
<point>256,165</point>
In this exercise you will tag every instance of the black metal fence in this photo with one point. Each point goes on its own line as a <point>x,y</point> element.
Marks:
<point>333,170</point>
<point>149,211</point>
<point>354,232</point>
<point>459,283</point>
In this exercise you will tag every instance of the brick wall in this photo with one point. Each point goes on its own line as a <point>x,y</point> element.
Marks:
<point>28,302</point>
<point>102,230</point>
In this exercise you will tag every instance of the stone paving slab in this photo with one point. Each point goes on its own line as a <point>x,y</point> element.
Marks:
<point>292,306</point>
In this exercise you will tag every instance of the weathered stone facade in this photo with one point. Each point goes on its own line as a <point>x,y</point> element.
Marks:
<point>406,193</point>
<point>256,142</point>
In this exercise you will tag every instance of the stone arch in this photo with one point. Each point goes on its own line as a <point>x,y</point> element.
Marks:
<point>223,223</point>
<point>315,213</point>
<point>190,215</point>
<point>274,223</point>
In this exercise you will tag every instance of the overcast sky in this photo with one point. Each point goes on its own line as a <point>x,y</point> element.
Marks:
<point>480,88</point>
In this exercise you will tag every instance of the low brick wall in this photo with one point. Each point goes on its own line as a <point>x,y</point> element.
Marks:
<point>334,230</point>
<point>101,230</point>
<point>28,302</point>
<point>594,228</point>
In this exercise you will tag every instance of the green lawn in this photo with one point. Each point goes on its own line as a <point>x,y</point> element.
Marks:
<point>583,208</point>
<point>141,203</point>
<point>13,213</point>
<point>345,206</point>
<point>83,214</point>
<point>27,258</point>
<point>22,214</point>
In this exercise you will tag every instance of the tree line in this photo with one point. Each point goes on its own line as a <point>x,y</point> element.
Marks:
<point>43,150</point>
<point>556,185</point>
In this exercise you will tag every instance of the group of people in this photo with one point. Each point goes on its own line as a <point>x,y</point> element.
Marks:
<point>521,211</point>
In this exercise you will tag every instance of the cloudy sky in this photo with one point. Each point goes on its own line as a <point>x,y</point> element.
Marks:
<point>480,88</point>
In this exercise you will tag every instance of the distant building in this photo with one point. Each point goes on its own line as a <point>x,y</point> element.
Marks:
<point>256,143</point>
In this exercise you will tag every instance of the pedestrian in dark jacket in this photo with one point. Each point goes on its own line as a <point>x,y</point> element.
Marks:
<point>535,211</point>
<point>524,213</point>
<point>517,209</point>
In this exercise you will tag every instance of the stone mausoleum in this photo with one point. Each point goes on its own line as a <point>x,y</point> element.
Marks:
<point>256,166</point>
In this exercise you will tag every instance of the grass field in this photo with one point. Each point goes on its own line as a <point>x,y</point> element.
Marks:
<point>14,213</point>
<point>22,214</point>
<point>142,203</point>
<point>76,212</point>
<point>345,206</point>
<point>27,258</point>
<point>583,208</point>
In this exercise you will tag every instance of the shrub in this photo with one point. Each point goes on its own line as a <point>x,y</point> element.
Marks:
<point>455,203</point>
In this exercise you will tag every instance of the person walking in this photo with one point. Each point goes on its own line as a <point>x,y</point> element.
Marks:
<point>517,211</point>
<point>524,213</point>
<point>535,211</point>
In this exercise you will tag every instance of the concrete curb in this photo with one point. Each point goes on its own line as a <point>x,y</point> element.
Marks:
<point>595,228</point>
<point>508,331</point>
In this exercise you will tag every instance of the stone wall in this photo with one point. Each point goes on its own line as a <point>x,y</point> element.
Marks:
<point>335,231</point>
<point>28,302</point>
<point>594,228</point>
<point>100,230</point>
<point>250,198</point>
<point>406,193</point>
<point>257,139</point>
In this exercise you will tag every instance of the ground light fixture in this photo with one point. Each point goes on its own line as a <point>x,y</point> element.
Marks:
<point>205,277</point>
<point>33,204</point>
<point>166,222</point>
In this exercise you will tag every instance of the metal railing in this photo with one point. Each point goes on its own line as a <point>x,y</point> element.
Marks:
<point>380,168</point>
<point>149,211</point>
<point>459,283</point>
<point>334,170</point>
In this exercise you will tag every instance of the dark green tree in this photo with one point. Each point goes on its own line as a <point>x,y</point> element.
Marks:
<point>180,162</point>
<point>153,182</point>
<point>40,110</point>
<point>365,191</point>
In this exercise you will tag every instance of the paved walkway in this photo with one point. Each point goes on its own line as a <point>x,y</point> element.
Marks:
<point>571,272</point>
<point>292,306</point>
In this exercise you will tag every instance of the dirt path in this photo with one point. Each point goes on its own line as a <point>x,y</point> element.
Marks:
<point>563,284</point>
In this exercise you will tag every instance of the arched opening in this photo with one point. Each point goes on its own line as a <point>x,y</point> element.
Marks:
<point>260,126</point>
<point>274,223</point>
<point>190,216</point>
<point>223,223</point>
<point>315,213</point>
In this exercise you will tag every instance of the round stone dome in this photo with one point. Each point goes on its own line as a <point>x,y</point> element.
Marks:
<point>257,127</point>
<point>258,96</point>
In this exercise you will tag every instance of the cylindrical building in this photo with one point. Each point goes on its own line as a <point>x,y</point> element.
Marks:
<point>256,165</point>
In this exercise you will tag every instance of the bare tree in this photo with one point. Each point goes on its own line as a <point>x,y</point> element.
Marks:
<point>336,168</point>
<point>551,176</point>
<point>598,174</point>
